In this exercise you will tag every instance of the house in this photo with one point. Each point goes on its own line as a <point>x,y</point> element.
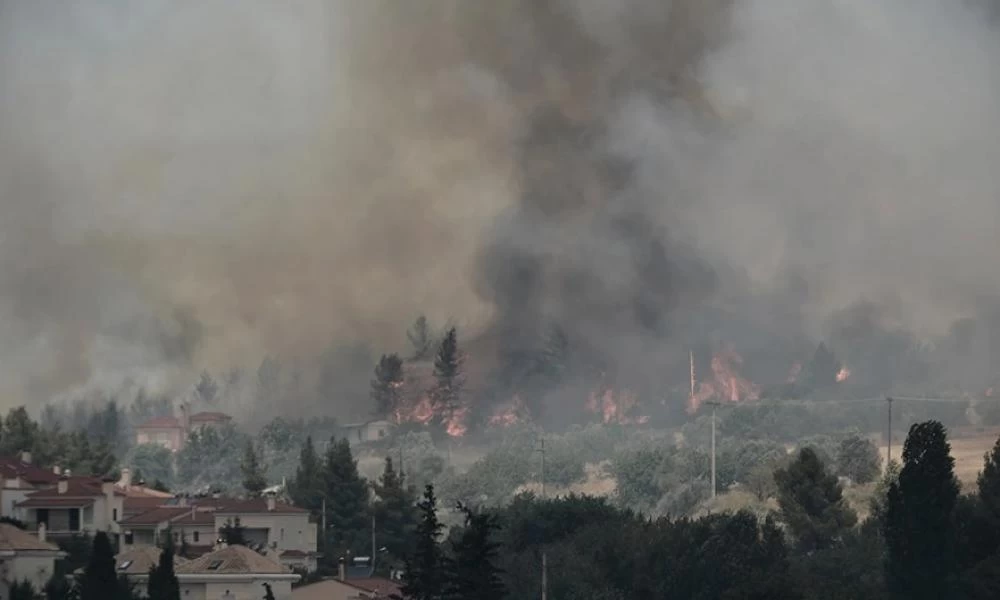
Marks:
<point>285,530</point>
<point>348,587</point>
<point>369,431</point>
<point>74,505</point>
<point>19,478</point>
<point>137,561</point>
<point>25,556</point>
<point>172,432</point>
<point>192,528</point>
<point>234,573</point>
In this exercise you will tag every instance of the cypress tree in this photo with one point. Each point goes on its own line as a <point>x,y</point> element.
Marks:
<point>346,500</point>
<point>919,517</point>
<point>988,482</point>
<point>162,583</point>
<point>100,580</point>
<point>473,572</point>
<point>21,590</point>
<point>812,502</point>
<point>254,480</point>
<point>424,574</point>
<point>232,533</point>
<point>268,592</point>
<point>307,487</point>
<point>395,510</point>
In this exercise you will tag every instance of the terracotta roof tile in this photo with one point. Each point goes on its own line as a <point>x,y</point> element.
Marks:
<point>232,559</point>
<point>157,515</point>
<point>142,558</point>
<point>12,538</point>
<point>259,506</point>
<point>82,487</point>
<point>15,467</point>
<point>48,502</point>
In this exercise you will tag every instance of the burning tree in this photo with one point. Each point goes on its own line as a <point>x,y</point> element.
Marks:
<point>449,413</point>
<point>387,385</point>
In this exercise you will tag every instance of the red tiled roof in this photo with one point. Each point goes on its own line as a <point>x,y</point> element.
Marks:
<point>206,417</point>
<point>160,423</point>
<point>258,506</point>
<point>55,503</point>
<point>197,517</point>
<point>155,516</point>
<point>133,506</point>
<point>82,487</point>
<point>15,467</point>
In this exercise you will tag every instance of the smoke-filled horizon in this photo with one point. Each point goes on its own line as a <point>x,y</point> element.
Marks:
<point>196,185</point>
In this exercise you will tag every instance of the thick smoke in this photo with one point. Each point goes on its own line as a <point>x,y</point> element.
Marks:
<point>187,185</point>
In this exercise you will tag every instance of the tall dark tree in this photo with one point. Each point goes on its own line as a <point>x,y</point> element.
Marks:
<point>20,432</point>
<point>823,368</point>
<point>346,501</point>
<point>99,580</point>
<point>21,590</point>
<point>420,337</point>
<point>162,583</point>
<point>254,480</point>
<point>268,592</point>
<point>473,571</point>
<point>918,527</point>
<point>233,533</point>
<point>424,574</point>
<point>395,510</point>
<point>447,376</point>
<point>308,487</point>
<point>988,482</point>
<point>812,502</point>
<point>387,385</point>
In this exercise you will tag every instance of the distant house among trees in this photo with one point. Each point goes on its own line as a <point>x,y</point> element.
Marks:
<point>368,431</point>
<point>172,432</point>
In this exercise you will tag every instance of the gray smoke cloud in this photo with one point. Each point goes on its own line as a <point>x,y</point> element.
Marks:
<point>196,184</point>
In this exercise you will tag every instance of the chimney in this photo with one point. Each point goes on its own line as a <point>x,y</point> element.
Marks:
<point>26,457</point>
<point>63,486</point>
<point>108,487</point>
<point>41,532</point>
<point>126,481</point>
<point>342,569</point>
<point>56,470</point>
<point>270,503</point>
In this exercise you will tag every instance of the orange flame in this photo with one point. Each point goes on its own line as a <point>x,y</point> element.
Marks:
<point>618,409</point>
<point>843,374</point>
<point>510,413</point>
<point>726,384</point>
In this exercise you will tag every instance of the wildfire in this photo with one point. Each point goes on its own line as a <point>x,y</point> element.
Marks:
<point>619,409</point>
<point>843,374</point>
<point>726,384</point>
<point>424,411</point>
<point>510,413</point>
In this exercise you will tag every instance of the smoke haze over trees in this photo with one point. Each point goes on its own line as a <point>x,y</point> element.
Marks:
<point>190,187</point>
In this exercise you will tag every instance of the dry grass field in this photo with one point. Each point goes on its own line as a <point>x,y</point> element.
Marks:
<point>968,445</point>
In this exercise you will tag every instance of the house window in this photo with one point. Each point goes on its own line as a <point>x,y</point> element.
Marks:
<point>114,514</point>
<point>281,535</point>
<point>74,519</point>
<point>195,535</point>
<point>42,516</point>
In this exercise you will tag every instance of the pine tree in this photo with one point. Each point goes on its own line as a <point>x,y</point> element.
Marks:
<point>988,482</point>
<point>448,377</point>
<point>21,590</point>
<point>163,584</point>
<point>387,385</point>
<point>346,500</point>
<point>307,488</point>
<point>420,338</point>
<point>100,580</point>
<point>473,572</point>
<point>233,533</point>
<point>424,574</point>
<point>812,502</point>
<point>919,516</point>
<point>254,480</point>
<point>395,510</point>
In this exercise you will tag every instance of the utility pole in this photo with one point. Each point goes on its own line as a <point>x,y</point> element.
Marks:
<point>713,404</point>
<point>888,431</point>
<point>322,517</point>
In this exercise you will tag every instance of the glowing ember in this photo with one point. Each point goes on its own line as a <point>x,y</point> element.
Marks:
<point>843,374</point>
<point>455,425</point>
<point>619,409</point>
<point>726,384</point>
<point>510,413</point>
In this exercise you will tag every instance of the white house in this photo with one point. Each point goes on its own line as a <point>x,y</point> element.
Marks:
<point>285,530</point>
<point>25,556</point>
<point>234,573</point>
<point>20,478</point>
<point>369,431</point>
<point>74,505</point>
